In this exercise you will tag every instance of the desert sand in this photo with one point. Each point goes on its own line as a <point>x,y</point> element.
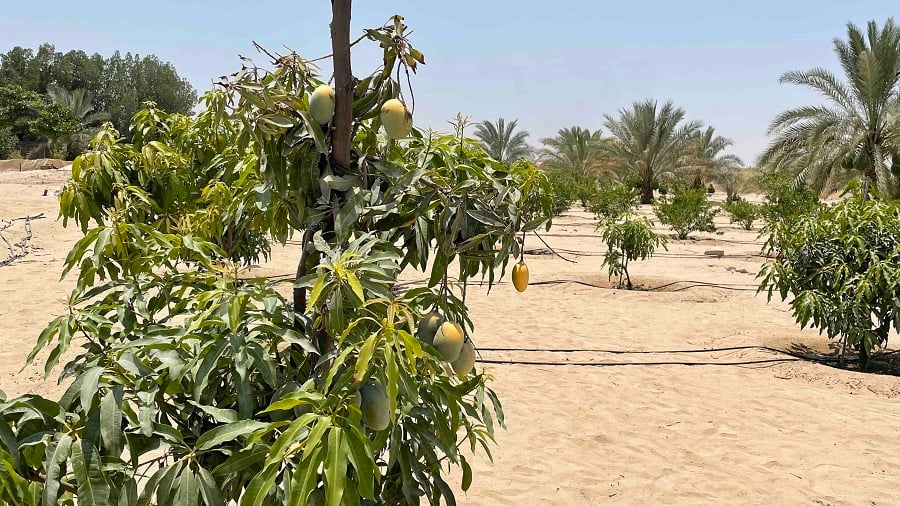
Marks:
<point>633,428</point>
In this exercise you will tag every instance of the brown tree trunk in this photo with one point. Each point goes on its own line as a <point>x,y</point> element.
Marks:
<point>343,82</point>
<point>646,193</point>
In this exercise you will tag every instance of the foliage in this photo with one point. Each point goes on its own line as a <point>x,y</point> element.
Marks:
<point>687,210</point>
<point>208,379</point>
<point>786,201</point>
<point>573,149</point>
<point>611,201</point>
<point>705,160</point>
<point>649,141</point>
<point>743,212</point>
<point>857,130</point>
<point>8,143</point>
<point>569,186</point>
<point>628,238</point>
<point>501,143</point>
<point>840,268</point>
<point>120,84</point>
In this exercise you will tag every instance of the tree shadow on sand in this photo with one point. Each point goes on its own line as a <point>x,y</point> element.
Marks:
<point>885,362</point>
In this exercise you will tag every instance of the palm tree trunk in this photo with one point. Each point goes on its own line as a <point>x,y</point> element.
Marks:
<point>870,177</point>
<point>646,192</point>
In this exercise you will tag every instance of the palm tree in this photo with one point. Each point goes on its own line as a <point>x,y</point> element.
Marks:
<point>650,140</point>
<point>80,103</point>
<point>573,148</point>
<point>501,143</point>
<point>854,131</point>
<point>707,160</point>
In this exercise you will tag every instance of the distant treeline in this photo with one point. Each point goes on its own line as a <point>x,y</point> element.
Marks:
<point>51,102</point>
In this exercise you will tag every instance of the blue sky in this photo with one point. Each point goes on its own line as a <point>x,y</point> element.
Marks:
<point>549,64</point>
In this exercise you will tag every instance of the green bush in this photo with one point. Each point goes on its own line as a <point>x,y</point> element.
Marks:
<point>743,212</point>
<point>687,210</point>
<point>8,144</point>
<point>786,201</point>
<point>568,187</point>
<point>627,239</point>
<point>840,265</point>
<point>613,200</point>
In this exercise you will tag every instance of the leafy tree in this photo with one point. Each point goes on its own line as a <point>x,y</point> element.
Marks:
<point>628,238</point>
<point>649,141</point>
<point>8,143</point>
<point>706,159</point>
<point>612,201</point>
<point>786,201</point>
<point>853,131</point>
<point>120,84</point>
<point>80,102</point>
<point>210,380</point>
<point>501,143</point>
<point>34,121</point>
<point>572,149</point>
<point>839,267</point>
<point>687,210</point>
<point>743,212</point>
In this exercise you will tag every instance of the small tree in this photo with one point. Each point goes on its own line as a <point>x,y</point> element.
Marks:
<point>743,212</point>
<point>613,200</point>
<point>198,383</point>
<point>628,238</point>
<point>840,268</point>
<point>786,199</point>
<point>687,210</point>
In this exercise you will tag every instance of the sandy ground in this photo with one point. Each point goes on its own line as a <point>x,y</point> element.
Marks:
<point>633,428</point>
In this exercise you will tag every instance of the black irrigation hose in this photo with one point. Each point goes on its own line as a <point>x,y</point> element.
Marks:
<point>612,364</point>
<point>794,357</point>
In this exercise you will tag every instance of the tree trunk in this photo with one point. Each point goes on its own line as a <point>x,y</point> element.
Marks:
<point>870,177</point>
<point>646,192</point>
<point>343,82</point>
<point>863,357</point>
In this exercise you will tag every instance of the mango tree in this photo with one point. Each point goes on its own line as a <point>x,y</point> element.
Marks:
<point>190,381</point>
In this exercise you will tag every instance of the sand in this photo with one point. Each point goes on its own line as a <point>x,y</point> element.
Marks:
<point>630,429</point>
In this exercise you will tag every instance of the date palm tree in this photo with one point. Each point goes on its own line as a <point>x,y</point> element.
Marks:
<point>81,104</point>
<point>707,160</point>
<point>856,130</point>
<point>573,149</point>
<point>649,140</point>
<point>501,143</point>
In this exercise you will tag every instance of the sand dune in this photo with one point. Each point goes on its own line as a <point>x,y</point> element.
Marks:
<point>623,428</point>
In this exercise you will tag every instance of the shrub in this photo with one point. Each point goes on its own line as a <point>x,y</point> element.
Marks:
<point>8,144</point>
<point>627,239</point>
<point>613,200</point>
<point>786,200</point>
<point>840,265</point>
<point>687,210</point>
<point>743,212</point>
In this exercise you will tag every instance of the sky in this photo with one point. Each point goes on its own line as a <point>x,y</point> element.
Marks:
<point>548,64</point>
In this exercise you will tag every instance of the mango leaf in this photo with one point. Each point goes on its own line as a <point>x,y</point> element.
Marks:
<point>225,433</point>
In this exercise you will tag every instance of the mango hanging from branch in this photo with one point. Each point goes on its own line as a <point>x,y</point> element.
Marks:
<point>520,276</point>
<point>321,104</point>
<point>396,118</point>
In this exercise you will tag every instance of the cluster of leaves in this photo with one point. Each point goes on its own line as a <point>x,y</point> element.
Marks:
<point>743,212</point>
<point>687,210</point>
<point>610,201</point>
<point>628,237</point>
<point>120,84</point>
<point>210,381</point>
<point>568,187</point>
<point>8,143</point>
<point>30,117</point>
<point>839,265</point>
<point>786,200</point>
